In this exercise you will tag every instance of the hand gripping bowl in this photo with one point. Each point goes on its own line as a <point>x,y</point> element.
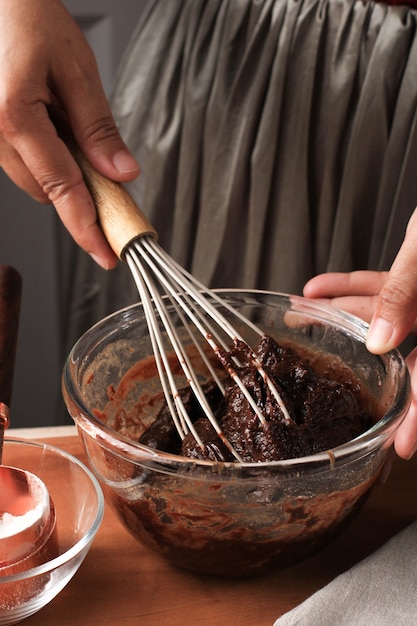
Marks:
<point>79,507</point>
<point>229,518</point>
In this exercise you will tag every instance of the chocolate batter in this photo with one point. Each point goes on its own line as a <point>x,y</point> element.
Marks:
<point>242,526</point>
<point>326,410</point>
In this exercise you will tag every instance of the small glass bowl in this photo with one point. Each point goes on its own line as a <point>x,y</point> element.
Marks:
<point>228,518</point>
<point>79,508</point>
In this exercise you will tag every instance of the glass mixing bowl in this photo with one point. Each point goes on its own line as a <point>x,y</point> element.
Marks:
<point>228,518</point>
<point>79,508</point>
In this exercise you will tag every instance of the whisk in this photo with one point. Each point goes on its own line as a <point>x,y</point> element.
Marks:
<point>158,277</point>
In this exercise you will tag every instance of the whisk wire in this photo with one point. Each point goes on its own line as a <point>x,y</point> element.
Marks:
<point>201,295</point>
<point>150,294</point>
<point>178,412</point>
<point>194,313</point>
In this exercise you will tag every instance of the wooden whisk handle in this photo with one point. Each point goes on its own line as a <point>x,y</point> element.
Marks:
<point>121,220</point>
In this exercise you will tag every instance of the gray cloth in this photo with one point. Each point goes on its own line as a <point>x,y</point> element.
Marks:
<point>379,591</point>
<point>277,139</point>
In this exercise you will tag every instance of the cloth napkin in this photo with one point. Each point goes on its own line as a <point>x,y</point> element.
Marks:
<point>381,590</point>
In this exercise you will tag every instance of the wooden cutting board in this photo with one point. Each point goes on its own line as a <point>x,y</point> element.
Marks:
<point>123,583</point>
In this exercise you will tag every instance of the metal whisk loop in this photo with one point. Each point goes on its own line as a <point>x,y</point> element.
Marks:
<point>195,291</point>
<point>171,288</point>
<point>152,301</point>
<point>172,277</point>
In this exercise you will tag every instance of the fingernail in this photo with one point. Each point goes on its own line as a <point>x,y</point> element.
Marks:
<point>100,261</point>
<point>410,454</point>
<point>379,336</point>
<point>408,448</point>
<point>124,162</point>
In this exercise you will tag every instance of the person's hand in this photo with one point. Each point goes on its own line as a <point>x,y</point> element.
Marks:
<point>46,61</point>
<point>354,292</point>
<point>387,301</point>
<point>396,306</point>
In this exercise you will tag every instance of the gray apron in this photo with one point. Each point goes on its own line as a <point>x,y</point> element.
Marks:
<point>277,140</point>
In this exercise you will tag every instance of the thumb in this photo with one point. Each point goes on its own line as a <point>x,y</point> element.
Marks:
<point>98,137</point>
<point>396,306</point>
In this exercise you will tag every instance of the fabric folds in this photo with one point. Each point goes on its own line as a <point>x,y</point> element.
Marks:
<point>378,591</point>
<point>277,140</point>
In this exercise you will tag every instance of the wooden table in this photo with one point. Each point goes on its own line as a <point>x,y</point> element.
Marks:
<point>123,583</point>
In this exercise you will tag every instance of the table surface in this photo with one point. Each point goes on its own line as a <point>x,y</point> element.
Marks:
<point>120,582</point>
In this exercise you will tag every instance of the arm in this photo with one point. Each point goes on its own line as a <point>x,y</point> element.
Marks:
<point>45,61</point>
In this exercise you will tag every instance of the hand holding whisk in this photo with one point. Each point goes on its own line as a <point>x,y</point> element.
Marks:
<point>160,280</point>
